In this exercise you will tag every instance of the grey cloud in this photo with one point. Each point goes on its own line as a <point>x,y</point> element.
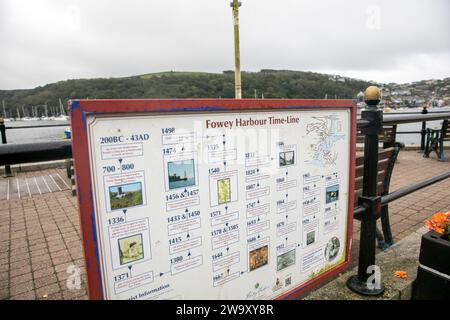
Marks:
<point>50,40</point>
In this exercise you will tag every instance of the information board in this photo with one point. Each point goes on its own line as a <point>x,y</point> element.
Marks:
<point>213,199</point>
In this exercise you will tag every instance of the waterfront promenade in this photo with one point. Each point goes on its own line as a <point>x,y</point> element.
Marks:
<point>40,231</point>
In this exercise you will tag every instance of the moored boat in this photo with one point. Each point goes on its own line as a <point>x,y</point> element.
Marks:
<point>67,133</point>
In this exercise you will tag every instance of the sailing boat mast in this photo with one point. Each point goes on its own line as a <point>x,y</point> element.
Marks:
<point>4,110</point>
<point>61,108</point>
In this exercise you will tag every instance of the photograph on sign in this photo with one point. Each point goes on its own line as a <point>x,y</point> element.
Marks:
<point>130,249</point>
<point>258,257</point>
<point>287,158</point>
<point>332,194</point>
<point>181,173</point>
<point>124,196</point>
<point>332,248</point>
<point>224,190</point>
<point>180,169</point>
<point>124,190</point>
<point>286,259</point>
<point>310,237</point>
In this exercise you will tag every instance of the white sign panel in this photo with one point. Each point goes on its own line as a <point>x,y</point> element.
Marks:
<point>244,205</point>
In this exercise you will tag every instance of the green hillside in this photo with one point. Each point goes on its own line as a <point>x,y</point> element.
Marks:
<point>270,83</point>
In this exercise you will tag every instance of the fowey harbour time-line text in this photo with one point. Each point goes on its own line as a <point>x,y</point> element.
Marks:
<point>249,122</point>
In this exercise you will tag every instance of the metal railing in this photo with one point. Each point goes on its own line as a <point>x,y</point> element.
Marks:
<point>34,127</point>
<point>423,131</point>
<point>25,152</point>
<point>35,152</point>
<point>370,203</point>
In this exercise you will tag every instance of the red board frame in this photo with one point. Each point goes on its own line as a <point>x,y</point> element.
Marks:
<point>79,109</point>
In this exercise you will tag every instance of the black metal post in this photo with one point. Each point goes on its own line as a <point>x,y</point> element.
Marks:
<point>363,283</point>
<point>8,172</point>
<point>423,132</point>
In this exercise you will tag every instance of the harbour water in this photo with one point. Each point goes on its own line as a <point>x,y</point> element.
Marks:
<point>414,139</point>
<point>30,135</point>
<point>181,183</point>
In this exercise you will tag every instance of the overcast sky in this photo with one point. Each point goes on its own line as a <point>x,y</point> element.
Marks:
<point>44,41</point>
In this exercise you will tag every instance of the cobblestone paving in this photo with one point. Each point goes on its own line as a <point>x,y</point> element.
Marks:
<point>40,236</point>
<point>409,213</point>
<point>39,239</point>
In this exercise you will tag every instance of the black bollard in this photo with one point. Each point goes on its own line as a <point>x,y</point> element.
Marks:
<point>423,132</point>
<point>365,281</point>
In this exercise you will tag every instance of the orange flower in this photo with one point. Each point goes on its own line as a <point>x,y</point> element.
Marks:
<point>401,274</point>
<point>439,222</point>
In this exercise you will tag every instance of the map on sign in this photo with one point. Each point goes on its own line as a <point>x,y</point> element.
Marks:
<point>218,205</point>
<point>325,132</point>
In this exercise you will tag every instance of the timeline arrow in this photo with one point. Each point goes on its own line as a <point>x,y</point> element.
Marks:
<point>120,165</point>
<point>287,205</point>
<point>129,267</point>
<point>163,273</point>
<point>224,159</point>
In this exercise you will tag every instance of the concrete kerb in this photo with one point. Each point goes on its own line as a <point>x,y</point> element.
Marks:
<point>402,256</point>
